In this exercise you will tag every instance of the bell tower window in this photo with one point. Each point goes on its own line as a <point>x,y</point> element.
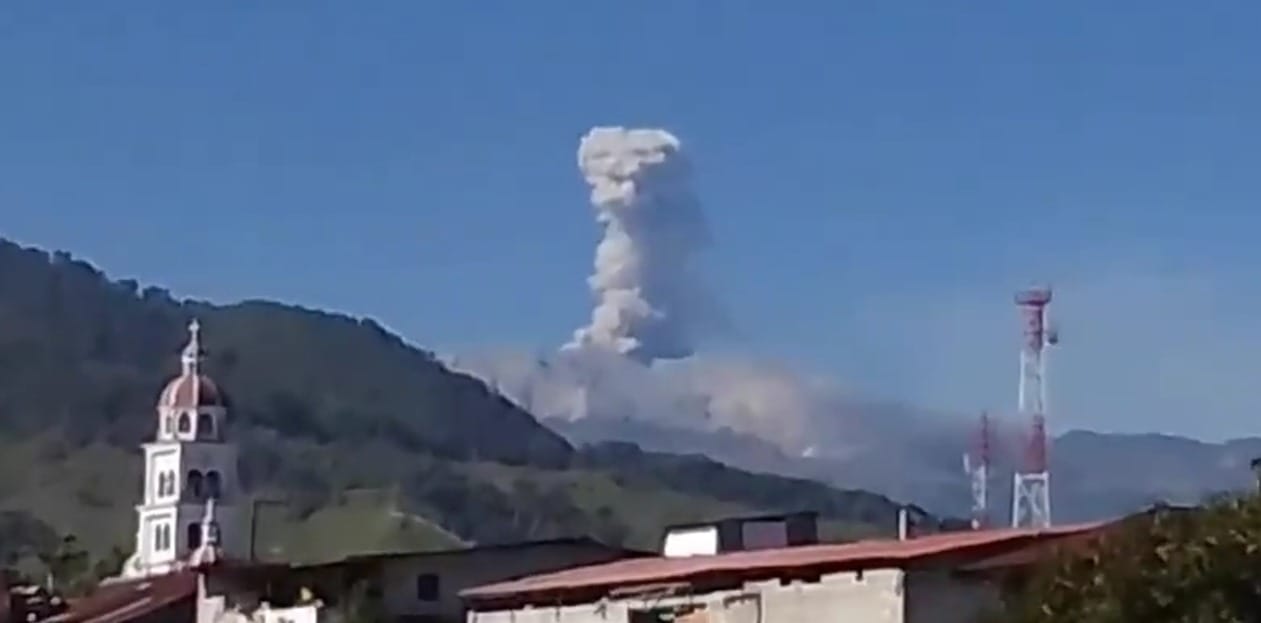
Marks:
<point>205,426</point>
<point>186,423</point>
<point>195,484</point>
<point>214,485</point>
<point>194,536</point>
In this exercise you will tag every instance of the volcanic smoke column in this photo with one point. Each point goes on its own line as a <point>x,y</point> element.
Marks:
<point>647,298</point>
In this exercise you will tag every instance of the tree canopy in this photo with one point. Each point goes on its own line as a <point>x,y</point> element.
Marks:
<point>1196,565</point>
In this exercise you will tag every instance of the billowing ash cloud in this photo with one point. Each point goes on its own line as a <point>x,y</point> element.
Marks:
<point>648,304</point>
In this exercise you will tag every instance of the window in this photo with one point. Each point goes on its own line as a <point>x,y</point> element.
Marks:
<point>427,587</point>
<point>166,425</point>
<point>214,485</point>
<point>194,484</point>
<point>161,538</point>
<point>194,536</point>
<point>186,423</point>
<point>166,486</point>
<point>205,426</point>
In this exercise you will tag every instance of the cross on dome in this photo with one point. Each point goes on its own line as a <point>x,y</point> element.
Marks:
<point>191,357</point>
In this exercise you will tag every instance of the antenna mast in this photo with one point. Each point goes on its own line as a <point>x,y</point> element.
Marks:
<point>977,466</point>
<point>1031,484</point>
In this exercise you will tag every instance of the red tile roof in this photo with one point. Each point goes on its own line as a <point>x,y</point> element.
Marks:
<point>762,564</point>
<point>128,600</point>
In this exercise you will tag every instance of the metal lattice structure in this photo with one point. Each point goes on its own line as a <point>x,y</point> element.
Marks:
<point>977,466</point>
<point>1031,483</point>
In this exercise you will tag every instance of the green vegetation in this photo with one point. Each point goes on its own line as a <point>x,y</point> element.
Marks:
<point>323,405</point>
<point>1199,565</point>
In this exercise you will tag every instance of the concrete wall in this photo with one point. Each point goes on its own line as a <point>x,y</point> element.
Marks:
<point>940,597</point>
<point>461,570</point>
<point>874,596</point>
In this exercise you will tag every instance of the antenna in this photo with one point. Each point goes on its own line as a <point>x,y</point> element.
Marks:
<point>1031,484</point>
<point>977,466</point>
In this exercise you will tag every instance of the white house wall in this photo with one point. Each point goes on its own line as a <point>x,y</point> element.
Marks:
<point>875,596</point>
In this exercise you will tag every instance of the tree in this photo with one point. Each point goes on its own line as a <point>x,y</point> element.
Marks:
<point>69,567</point>
<point>1200,565</point>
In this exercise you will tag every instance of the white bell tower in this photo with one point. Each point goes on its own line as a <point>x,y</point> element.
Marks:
<point>190,511</point>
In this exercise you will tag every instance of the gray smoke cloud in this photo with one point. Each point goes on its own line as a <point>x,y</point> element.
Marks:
<point>648,300</point>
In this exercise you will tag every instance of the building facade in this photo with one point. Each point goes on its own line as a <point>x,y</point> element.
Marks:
<point>931,579</point>
<point>424,587</point>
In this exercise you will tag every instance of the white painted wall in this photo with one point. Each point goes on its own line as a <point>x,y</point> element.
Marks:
<point>683,542</point>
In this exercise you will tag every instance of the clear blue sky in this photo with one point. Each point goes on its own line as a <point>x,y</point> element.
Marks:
<point>879,176</point>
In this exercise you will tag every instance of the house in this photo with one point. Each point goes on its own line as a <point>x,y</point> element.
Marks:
<point>914,580</point>
<point>424,587</point>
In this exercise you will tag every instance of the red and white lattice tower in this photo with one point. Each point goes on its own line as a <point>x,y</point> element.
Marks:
<point>977,466</point>
<point>1031,484</point>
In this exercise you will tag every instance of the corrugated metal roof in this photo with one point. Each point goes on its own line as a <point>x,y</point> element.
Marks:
<point>767,563</point>
<point>570,542</point>
<point>129,600</point>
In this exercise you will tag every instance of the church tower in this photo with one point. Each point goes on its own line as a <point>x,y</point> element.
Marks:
<point>190,511</point>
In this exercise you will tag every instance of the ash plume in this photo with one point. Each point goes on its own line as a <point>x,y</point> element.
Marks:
<point>648,301</point>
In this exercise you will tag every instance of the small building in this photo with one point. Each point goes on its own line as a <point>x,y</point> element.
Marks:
<point>424,587</point>
<point>917,580</point>
<point>740,534</point>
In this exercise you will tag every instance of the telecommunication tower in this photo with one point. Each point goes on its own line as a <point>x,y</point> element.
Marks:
<point>977,466</point>
<point>1031,484</point>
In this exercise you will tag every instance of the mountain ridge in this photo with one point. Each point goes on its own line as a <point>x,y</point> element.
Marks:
<point>756,417</point>
<point>323,403</point>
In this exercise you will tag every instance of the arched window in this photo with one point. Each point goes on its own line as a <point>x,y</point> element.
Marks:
<point>161,538</point>
<point>214,485</point>
<point>194,536</point>
<point>205,426</point>
<point>194,484</point>
<point>164,484</point>
<point>186,423</point>
<point>166,425</point>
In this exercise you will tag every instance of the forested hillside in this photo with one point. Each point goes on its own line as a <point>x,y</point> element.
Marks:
<point>324,405</point>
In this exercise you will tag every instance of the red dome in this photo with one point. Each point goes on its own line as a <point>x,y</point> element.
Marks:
<point>189,391</point>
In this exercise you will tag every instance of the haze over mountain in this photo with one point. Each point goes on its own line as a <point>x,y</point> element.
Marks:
<point>637,374</point>
<point>340,421</point>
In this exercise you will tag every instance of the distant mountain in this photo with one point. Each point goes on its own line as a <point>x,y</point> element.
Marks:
<point>322,404</point>
<point>769,420</point>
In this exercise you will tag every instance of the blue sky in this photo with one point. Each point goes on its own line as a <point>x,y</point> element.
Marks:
<point>878,176</point>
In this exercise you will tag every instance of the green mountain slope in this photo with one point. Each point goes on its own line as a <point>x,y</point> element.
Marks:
<point>322,404</point>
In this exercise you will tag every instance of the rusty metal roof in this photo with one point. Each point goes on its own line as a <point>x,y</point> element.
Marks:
<point>762,564</point>
<point>129,600</point>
